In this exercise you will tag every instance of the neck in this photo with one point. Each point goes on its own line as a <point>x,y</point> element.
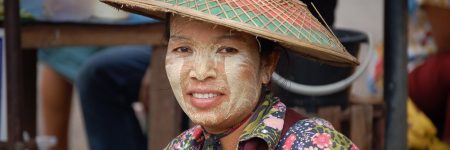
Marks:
<point>230,142</point>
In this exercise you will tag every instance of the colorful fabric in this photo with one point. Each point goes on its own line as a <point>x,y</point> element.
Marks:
<point>315,133</point>
<point>266,124</point>
<point>67,61</point>
<point>429,88</point>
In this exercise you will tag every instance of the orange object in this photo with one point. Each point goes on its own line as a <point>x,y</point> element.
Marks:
<point>439,18</point>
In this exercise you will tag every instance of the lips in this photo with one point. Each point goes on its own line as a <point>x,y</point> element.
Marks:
<point>205,99</point>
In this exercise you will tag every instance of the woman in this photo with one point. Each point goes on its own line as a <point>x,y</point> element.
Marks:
<point>219,70</point>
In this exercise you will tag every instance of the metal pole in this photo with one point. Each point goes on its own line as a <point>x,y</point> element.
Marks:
<point>395,73</point>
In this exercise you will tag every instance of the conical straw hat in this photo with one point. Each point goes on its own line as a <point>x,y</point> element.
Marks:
<point>287,22</point>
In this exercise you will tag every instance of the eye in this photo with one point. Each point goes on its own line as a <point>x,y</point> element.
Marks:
<point>228,50</point>
<point>182,50</point>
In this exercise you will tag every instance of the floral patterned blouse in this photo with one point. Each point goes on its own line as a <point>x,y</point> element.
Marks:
<point>266,123</point>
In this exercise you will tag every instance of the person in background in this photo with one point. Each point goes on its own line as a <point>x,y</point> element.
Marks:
<point>429,82</point>
<point>62,66</point>
<point>59,69</point>
<point>108,84</point>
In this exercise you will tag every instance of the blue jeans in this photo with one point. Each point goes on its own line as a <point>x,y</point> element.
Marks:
<point>109,83</point>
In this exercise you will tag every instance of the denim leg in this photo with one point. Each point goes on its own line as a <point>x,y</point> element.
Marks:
<point>109,83</point>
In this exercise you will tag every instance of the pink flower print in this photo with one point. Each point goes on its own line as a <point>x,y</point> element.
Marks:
<point>322,140</point>
<point>278,107</point>
<point>289,142</point>
<point>197,133</point>
<point>177,145</point>
<point>354,147</point>
<point>184,136</point>
<point>274,122</point>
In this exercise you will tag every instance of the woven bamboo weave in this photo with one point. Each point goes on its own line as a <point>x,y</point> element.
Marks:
<point>288,22</point>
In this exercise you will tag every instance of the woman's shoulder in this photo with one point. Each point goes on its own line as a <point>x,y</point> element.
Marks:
<point>314,133</point>
<point>189,139</point>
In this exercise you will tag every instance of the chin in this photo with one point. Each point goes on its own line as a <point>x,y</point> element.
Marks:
<point>222,116</point>
<point>207,118</point>
<point>218,122</point>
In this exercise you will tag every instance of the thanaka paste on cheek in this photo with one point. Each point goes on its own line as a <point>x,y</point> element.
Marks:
<point>173,69</point>
<point>204,68</point>
<point>236,75</point>
<point>243,80</point>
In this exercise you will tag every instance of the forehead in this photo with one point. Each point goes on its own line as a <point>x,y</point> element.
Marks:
<point>194,29</point>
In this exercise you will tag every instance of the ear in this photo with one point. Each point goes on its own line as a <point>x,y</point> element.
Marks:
<point>269,65</point>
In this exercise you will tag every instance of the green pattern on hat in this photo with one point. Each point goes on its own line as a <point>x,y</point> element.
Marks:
<point>225,11</point>
<point>287,22</point>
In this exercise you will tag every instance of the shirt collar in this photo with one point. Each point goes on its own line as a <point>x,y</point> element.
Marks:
<point>266,123</point>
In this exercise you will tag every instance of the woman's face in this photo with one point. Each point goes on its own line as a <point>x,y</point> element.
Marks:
<point>215,73</point>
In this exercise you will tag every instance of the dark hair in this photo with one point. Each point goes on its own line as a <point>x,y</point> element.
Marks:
<point>167,27</point>
<point>267,47</point>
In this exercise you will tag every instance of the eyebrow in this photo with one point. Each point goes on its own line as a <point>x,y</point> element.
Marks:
<point>232,36</point>
<point>178,37</point>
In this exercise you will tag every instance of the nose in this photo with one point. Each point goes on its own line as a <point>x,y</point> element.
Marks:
<point>203,68</point>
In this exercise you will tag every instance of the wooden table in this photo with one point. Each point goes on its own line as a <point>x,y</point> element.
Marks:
<point>164,115</point>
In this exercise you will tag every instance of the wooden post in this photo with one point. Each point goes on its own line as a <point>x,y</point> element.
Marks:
<point>20,83</point>
<point>331,114</point>
<point>165,113</point>
<point>361,120</point>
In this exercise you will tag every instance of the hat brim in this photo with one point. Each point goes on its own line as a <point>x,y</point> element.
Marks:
<point>156,9</point>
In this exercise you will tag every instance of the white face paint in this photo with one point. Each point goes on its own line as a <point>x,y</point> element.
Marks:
<point>215,74</point>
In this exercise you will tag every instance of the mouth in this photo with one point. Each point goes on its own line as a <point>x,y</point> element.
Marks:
<point>205,95</point>
<point>205,99</point>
